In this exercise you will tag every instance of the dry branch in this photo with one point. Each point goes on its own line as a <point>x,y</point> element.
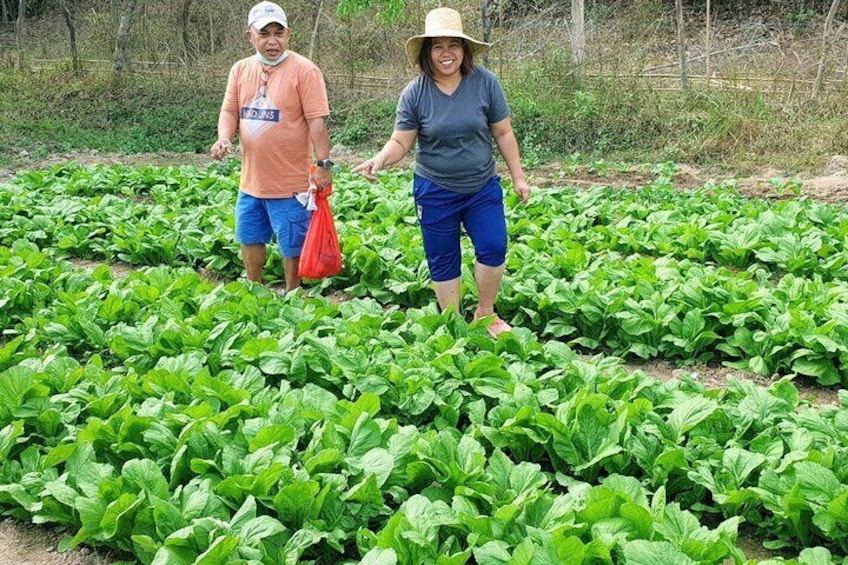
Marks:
<point>719,52</point>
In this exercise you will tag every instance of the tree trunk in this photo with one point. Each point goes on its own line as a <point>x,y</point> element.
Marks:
<point>313,40</point>
<point>709,39</point>
<point>72,35</point>
<point>825,46</point>
<point>188,51</point>
<point>19,24</point>
<point>487,16</point>
<point>578,34</point>
<point>681,45</point>
<point>122,40</point>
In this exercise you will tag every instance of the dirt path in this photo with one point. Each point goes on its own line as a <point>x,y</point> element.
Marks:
<point>26,544</point>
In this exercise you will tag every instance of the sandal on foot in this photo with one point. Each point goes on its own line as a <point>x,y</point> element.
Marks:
<point>498,327</point>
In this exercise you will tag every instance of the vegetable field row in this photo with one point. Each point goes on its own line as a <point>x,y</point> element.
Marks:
<point>650,272</point>
<point>190,422</point>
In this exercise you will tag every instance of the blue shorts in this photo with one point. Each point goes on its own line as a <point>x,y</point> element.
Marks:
<point>440,214</point>
<point>257,219</point>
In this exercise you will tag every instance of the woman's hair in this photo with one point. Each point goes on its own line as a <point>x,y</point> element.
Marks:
<point>427,66</point>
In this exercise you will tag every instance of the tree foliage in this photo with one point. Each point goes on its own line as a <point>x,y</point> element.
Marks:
<point>389,11</point>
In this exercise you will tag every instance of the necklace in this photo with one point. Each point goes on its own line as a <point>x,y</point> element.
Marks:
<point>263,81</point>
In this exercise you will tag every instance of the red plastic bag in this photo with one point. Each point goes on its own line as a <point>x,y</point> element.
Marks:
<point>321,256</point>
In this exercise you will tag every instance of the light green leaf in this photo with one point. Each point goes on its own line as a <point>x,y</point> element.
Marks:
<point>676,525</point>
<point>690,413</point>
<point>119,513</point>
<point>299,542</point>
<point>146,475</point>
<point>281,434</point>
<point>640,518</point>
<point>14,384</point>
<point>168,555</point>
<point>366,491</point>
<point>492,553</point>
<point>818,484</point>
<point>256,530</point>
<point>741,463</point>
<point>643,552</point>
<point>294,502</point>
<point>380,463</point>
<point>243,515</point>
<point>815,556</point>
<point>9,436</point>
<point>380,556</point>
<point>275,362</point>
<point>219,552</point>
<point>365,436</point>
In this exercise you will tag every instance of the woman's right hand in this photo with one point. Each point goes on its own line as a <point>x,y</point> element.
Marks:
<point>370,168</point>
<point>393,151</point>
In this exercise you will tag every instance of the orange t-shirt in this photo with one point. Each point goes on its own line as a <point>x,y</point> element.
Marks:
<point>273,130</point>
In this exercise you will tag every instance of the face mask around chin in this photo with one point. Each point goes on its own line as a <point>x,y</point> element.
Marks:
<point>275,62</point>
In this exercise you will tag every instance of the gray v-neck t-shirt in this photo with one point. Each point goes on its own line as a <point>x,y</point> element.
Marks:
<point>455,148</point>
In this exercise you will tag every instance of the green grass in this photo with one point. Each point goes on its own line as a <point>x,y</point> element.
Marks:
<point>366,124</point>
<point>625,120</point>
<point>51,112</point>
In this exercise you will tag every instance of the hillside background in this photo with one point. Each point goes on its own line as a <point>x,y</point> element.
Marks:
<point>765,83</point>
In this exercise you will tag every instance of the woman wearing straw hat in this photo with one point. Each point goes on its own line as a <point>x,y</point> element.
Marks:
<point>455,110</point>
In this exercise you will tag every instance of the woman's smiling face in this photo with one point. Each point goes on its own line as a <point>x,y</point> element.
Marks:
<point>446,54</point>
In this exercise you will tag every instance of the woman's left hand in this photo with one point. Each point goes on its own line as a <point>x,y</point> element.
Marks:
<point>522,190</point>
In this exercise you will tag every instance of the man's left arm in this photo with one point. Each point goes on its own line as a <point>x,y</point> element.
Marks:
<point>320,138</point>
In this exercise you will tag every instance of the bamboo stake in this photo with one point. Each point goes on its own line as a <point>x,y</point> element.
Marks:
<point>828,23</point>
<point>681,45</point>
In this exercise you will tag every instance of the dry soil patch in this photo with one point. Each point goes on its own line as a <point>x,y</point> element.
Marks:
<point>716,377</point>
<point>26,544</point>
<point>830,185</point>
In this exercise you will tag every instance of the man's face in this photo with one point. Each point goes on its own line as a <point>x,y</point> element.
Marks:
<point>271,41</point>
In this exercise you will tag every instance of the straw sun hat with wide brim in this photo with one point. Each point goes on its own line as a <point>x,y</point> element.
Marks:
<point>441,22</point>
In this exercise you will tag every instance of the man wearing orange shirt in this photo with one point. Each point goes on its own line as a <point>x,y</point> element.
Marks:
<point>277,100</point>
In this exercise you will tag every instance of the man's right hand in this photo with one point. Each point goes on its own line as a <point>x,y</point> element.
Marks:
<point>221,149</point>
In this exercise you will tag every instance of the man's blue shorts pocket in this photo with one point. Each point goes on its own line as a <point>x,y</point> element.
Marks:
<point>257,219</point>
<point>298,226</point>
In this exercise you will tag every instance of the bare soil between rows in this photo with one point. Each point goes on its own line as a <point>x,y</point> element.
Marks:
<point>27,544</point>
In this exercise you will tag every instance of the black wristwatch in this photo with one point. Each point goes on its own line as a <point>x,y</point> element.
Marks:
<point>324,164</point>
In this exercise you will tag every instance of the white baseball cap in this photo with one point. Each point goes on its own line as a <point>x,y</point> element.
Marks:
<point>266,13</point>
